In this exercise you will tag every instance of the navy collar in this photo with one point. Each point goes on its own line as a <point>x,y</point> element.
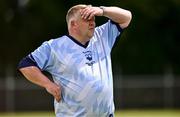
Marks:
<point>77,42</point>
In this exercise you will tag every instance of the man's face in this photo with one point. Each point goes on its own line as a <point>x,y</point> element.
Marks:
<point>86,27</point>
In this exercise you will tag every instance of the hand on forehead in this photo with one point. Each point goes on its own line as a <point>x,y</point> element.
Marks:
<point>87,12</point>
<point>90,11</point>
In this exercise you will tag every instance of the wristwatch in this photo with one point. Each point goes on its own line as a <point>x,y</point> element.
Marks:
<point>102,7</point>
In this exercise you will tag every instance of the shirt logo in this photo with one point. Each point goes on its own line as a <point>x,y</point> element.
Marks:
<point>88,55</point>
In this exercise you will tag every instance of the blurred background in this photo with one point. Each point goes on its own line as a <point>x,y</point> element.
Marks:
<point>146,59</point>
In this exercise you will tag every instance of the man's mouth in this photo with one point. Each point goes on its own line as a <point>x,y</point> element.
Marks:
<point>91,28</point>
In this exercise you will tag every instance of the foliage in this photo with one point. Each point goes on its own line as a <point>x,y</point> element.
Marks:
<point>148,46</point>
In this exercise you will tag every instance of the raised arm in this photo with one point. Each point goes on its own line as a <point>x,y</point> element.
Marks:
<point>33,74</point>
<point>116,14</point>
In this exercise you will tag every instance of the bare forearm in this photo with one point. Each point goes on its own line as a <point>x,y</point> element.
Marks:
<point>34,75</point>
<point>118,15</point>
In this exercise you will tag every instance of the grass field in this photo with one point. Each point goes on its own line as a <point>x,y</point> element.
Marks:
<point>123,113</point>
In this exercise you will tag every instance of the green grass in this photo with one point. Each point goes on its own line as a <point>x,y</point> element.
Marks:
<point>148,113</point>
<point>123,113</point>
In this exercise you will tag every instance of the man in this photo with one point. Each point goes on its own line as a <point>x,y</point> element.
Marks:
<point>79,62</point>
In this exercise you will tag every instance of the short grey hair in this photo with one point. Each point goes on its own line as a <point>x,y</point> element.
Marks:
<point>73,11</point>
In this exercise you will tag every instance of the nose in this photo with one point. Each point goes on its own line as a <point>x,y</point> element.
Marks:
<point>92,23</point>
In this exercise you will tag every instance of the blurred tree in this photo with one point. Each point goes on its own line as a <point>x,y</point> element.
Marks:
<point>150,42</point>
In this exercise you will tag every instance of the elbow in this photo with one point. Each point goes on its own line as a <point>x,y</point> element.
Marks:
<point>129,17</point>
<point>128,20</point>
<point>29,71</point>
<point>24,70</point>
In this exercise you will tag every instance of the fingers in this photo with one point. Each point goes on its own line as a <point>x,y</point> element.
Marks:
<point>54,90</point>
<point>91,15</point>
<point>85,10</point>
<point>57,97</point>
<point>88,12</point>
<point>57,94</point>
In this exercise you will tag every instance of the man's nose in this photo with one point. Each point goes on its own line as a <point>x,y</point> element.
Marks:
<point>91,23</point>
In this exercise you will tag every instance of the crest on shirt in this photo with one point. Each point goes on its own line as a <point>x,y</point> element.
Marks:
<point>88,55</point>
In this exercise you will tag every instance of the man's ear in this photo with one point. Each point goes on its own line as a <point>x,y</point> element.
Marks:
<point>73,23</point>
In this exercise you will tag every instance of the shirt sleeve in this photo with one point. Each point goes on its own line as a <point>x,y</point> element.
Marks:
<point>109,32</point>
<point>42,56</point>
<point>26,62</point>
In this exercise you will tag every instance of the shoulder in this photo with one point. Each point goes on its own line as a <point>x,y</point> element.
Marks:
<point>57,41</point>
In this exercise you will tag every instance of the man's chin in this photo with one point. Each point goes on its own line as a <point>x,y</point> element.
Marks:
<point>91,35</point>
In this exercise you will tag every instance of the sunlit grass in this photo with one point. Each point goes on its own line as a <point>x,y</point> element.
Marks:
<point>28,114</point>
<point>148,113</point>
<point>122,113</point>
